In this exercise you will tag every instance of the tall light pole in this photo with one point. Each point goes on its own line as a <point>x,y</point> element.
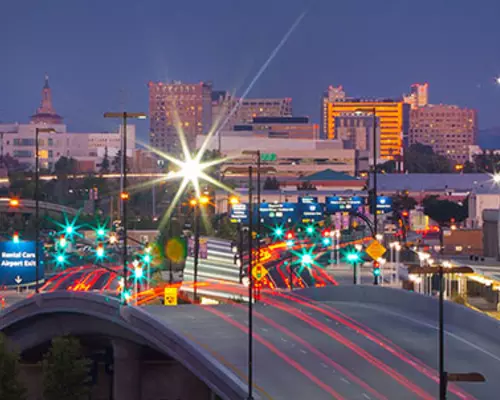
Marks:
<point>37,203</point>
<point>256,153</point>
<point>124,196</point>
<point>250,286</point>
<point>196,204</point>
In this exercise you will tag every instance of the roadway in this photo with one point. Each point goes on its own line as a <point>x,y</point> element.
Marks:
<point>333,349</point>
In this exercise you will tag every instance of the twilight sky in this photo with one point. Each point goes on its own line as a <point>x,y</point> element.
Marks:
<point>100,54</point>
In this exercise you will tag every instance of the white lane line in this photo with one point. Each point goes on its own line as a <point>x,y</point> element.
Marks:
<point>328,319</point>
<point>303,351</point>
<point>324,365</point>
<point>264,329</point>
<point>366,396</point>
<point>284,340</point>
<point>419,322</point>
<point>333,371</point>
<point>345,380</point>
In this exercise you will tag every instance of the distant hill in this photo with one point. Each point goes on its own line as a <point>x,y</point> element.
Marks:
<point>489,138</point>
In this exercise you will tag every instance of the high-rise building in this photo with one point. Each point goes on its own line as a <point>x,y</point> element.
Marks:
<point>449,130</point>
<point>229,111</point>
<point>178,107</point>
<point>419,95</point>
<point>356,131</point>
<point>393,116</point>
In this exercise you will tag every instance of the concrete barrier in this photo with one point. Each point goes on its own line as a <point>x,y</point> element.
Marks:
<point>411,303</point>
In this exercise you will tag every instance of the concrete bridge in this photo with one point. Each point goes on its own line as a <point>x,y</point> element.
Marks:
<point>342,342</point>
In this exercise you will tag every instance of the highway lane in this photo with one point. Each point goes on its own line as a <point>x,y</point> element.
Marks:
<point>283,369</point>
<point>373,361</point>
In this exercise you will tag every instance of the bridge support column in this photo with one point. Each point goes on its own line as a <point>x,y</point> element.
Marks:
<point>126,370</point>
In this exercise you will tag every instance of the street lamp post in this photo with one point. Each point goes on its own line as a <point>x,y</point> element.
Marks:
<point>37,204</point>
<point>123,193</point>
<point>197,203</point>
<point>250,287</point>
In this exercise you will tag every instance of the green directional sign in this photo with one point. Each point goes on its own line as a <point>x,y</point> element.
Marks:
<point>268,156</point>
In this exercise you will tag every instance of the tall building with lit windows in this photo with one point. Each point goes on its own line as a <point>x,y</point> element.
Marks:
<point>178,107</point>
<point>393,116</point>
<point>419,95</point>
<point>449,130</point>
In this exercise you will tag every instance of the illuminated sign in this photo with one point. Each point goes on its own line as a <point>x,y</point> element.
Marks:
<point>18,263</point>
<point>286,212</point>
<point>239,213</point>
<point>308,200</point>
<point>339,204</point>
<point>311,212</point>
<point>384,204</point>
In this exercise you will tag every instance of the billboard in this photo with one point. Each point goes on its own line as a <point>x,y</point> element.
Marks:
<point>18,263</point>
<point>335,204</point>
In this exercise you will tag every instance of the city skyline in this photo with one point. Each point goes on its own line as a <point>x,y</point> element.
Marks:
<point>109,58</point>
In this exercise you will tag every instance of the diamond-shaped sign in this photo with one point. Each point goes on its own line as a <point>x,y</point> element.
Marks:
<point>259,272</point>
<point>375,250</point>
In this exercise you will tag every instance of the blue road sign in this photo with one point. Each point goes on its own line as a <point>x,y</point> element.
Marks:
<point>311,212</point>
<point>239,213</point>
<point>384,204</point>
<point>18,263</point>
<point>335,204</point>
<point>277,212</point>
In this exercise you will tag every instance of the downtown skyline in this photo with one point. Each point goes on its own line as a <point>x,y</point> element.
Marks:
<point>109,58</point>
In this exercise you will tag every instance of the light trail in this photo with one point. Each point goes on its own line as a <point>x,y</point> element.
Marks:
<point>277,352</point>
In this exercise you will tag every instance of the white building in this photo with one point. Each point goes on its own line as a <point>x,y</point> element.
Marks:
<point>482,198</point>
<point>18,140</point>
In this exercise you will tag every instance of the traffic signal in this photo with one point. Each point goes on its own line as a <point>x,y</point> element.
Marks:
<point>310,229</point>
<point>113,239</point>
<point>13,202</point>
<point>353,258</point>
<point>327,241</point>
<point>306,259</point>
<point>289,235</point>
<point>100,251</point>
<point>15,237</point>
<point>147,258</point>
<point>62,242</point>
<point>376,269</point>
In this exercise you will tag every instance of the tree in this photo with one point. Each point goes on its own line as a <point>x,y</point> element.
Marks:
<point>65,371</point>
<point>402,202</point>
<point>65,166</point>
<point>11,387</point>
<point>419,158</point>
<point>271,184</point>
<point>444,211</point>
<point>117,162</point>
<point>105,162</point>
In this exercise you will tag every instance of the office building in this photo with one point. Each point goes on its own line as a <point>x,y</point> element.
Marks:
<point>178,107</point>
<point>393,118</point>
<point>231,111</point>
<point>356,131</point>
<point>419,95</point>
<point>449,130</point>
<point>282,127</point>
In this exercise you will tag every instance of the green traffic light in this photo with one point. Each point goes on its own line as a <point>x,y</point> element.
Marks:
<point>101,232</point>
<point>306,259</point>
<point>310,230</point>
<point>376,272</point>
<point>353,257</point>
<point>326,241</point>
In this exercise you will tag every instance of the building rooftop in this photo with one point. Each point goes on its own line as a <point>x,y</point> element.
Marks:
<point>432,182</point>
<point>329,175</point>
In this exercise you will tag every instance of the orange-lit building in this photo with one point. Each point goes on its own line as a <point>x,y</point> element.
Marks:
<point>392,114</point>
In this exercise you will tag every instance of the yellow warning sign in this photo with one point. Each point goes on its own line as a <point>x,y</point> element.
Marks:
<point>170,296</point>
<point>375,250</point>
<point>259,272</point>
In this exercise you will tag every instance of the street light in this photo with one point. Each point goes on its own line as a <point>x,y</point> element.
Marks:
<point>197,203</point>
<point>123,190</point>
<point>37,203</point>
<point>353,258</point>
<point>289,245</point>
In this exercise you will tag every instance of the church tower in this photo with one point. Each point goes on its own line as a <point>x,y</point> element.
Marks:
<point>46,113</point>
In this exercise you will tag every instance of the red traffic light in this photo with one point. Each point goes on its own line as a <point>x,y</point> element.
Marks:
<point>289,235</point>
<point>405,213</point>
<point>326,233</point>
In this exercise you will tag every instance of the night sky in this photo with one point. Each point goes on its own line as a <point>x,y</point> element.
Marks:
<point>100,54</point>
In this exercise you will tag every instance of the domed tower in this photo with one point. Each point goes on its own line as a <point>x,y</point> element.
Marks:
<point>46,113</point>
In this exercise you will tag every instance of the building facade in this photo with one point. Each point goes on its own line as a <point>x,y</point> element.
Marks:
<point>449,130</point>
<point>356,131</point>
<point>178,108</point>
<point>282,127</point>
<point>229,111</point>
<point>393,118</point>
<point>18,140</point>
<point>419,95</point>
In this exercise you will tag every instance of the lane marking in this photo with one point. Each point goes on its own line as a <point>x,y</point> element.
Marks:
<point>303,351</point>
<point>264,329</point>
<point>366,396</point>
<point>324,365</point>
<point>284,340</point>
<point>345,380</point>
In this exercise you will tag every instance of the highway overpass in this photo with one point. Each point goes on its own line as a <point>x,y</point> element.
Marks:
<point>345,342</point>
<point>27,206</point>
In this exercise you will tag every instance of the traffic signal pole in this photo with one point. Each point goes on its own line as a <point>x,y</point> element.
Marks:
<point>374,199</point>
<point>250,287</point>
